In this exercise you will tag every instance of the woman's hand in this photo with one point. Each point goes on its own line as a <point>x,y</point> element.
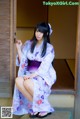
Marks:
<point>26,77</point>
<point>30,76</point>
<point>18,44</point>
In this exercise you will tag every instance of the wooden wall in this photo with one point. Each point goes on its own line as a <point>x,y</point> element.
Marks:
<point>7,57</point>
<point>62,18</point>
<point>29,13</point>
<point>64,23</point>
<point>4,47</point>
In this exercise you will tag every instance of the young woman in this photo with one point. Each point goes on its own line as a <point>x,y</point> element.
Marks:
<point>36,74</point>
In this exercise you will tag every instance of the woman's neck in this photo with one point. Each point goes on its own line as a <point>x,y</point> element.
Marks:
<point>39,42</point>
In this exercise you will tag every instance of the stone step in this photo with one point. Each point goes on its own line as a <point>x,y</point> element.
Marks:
<point>55,115</point>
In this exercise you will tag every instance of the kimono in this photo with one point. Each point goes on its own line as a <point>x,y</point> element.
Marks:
<point>46,77</point>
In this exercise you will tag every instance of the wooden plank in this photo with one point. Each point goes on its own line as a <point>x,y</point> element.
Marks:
<point>7,59</point>
<point>77,71</point>
<point>12,45</point>
<point>4,48</point>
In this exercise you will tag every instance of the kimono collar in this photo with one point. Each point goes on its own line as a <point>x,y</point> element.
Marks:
<point>40,45</point>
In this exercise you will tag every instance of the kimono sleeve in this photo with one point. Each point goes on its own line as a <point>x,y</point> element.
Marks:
<point>17,61</point>
<point>46,63</point>
<point>24,52</point>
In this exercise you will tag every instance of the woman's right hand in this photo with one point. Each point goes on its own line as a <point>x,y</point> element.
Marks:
<point>26,77</point>
<point>18,44</point>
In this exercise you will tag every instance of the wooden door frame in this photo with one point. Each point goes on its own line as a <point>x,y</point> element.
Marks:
<point>77,71</point>
<point>73,90</point>
<point>12,45</point>
<point>76,91</point>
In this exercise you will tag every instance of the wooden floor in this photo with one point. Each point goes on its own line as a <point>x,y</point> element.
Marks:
<point>65,74</point>
<point>71,63</point>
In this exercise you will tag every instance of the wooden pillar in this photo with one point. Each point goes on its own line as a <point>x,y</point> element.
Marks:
<point>7,59</point>
<point>77,89</point>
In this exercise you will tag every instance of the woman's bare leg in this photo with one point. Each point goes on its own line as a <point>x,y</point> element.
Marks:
<point>19,84</point>
<point>29,86</point>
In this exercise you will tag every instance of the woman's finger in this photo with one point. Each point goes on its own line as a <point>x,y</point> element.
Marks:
<point>18,41</point>
<point>26,77</point>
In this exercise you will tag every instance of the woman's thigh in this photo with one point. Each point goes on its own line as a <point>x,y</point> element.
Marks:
<point>29,85</point>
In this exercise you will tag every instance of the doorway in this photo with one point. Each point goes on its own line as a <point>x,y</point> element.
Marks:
<point>63,20</point>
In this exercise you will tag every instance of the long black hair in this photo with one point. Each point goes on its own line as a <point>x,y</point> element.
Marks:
<point>43,28</point>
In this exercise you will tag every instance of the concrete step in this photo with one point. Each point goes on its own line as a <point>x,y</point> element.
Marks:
<point>56,100</point>
<point>55,115</point>
<point>62,103</point>
<point>62,100</point>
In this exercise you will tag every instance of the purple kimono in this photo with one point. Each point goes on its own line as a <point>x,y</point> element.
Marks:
<point>33,62</point>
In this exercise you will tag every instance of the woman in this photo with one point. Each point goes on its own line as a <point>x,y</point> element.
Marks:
<point>36,74</point>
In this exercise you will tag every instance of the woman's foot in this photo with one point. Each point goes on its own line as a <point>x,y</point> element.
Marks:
<point>43,114</point>
<point>33,115</point>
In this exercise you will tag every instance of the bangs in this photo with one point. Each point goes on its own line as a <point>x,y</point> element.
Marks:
<point>41,29</point>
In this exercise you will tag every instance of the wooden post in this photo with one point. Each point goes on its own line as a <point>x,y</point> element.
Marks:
<point>12,44</point>
<point>7,57</point>
<point>77,88</point>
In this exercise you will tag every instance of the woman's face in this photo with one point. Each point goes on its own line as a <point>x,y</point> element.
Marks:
<point>38,35</point>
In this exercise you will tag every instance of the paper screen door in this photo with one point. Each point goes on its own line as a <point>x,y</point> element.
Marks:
<point>7,46</point>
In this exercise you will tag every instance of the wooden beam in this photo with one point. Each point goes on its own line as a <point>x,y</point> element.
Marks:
<point>12,45</point>
<point>77,71</point>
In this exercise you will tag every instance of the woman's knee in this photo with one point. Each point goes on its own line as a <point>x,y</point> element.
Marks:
<point>18,81</point>
<point>28,84</point>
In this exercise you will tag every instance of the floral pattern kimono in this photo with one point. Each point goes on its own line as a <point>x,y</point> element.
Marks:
<point>42,82</point>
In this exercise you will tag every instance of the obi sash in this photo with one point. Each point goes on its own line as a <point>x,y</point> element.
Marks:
<point>33,65</point>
